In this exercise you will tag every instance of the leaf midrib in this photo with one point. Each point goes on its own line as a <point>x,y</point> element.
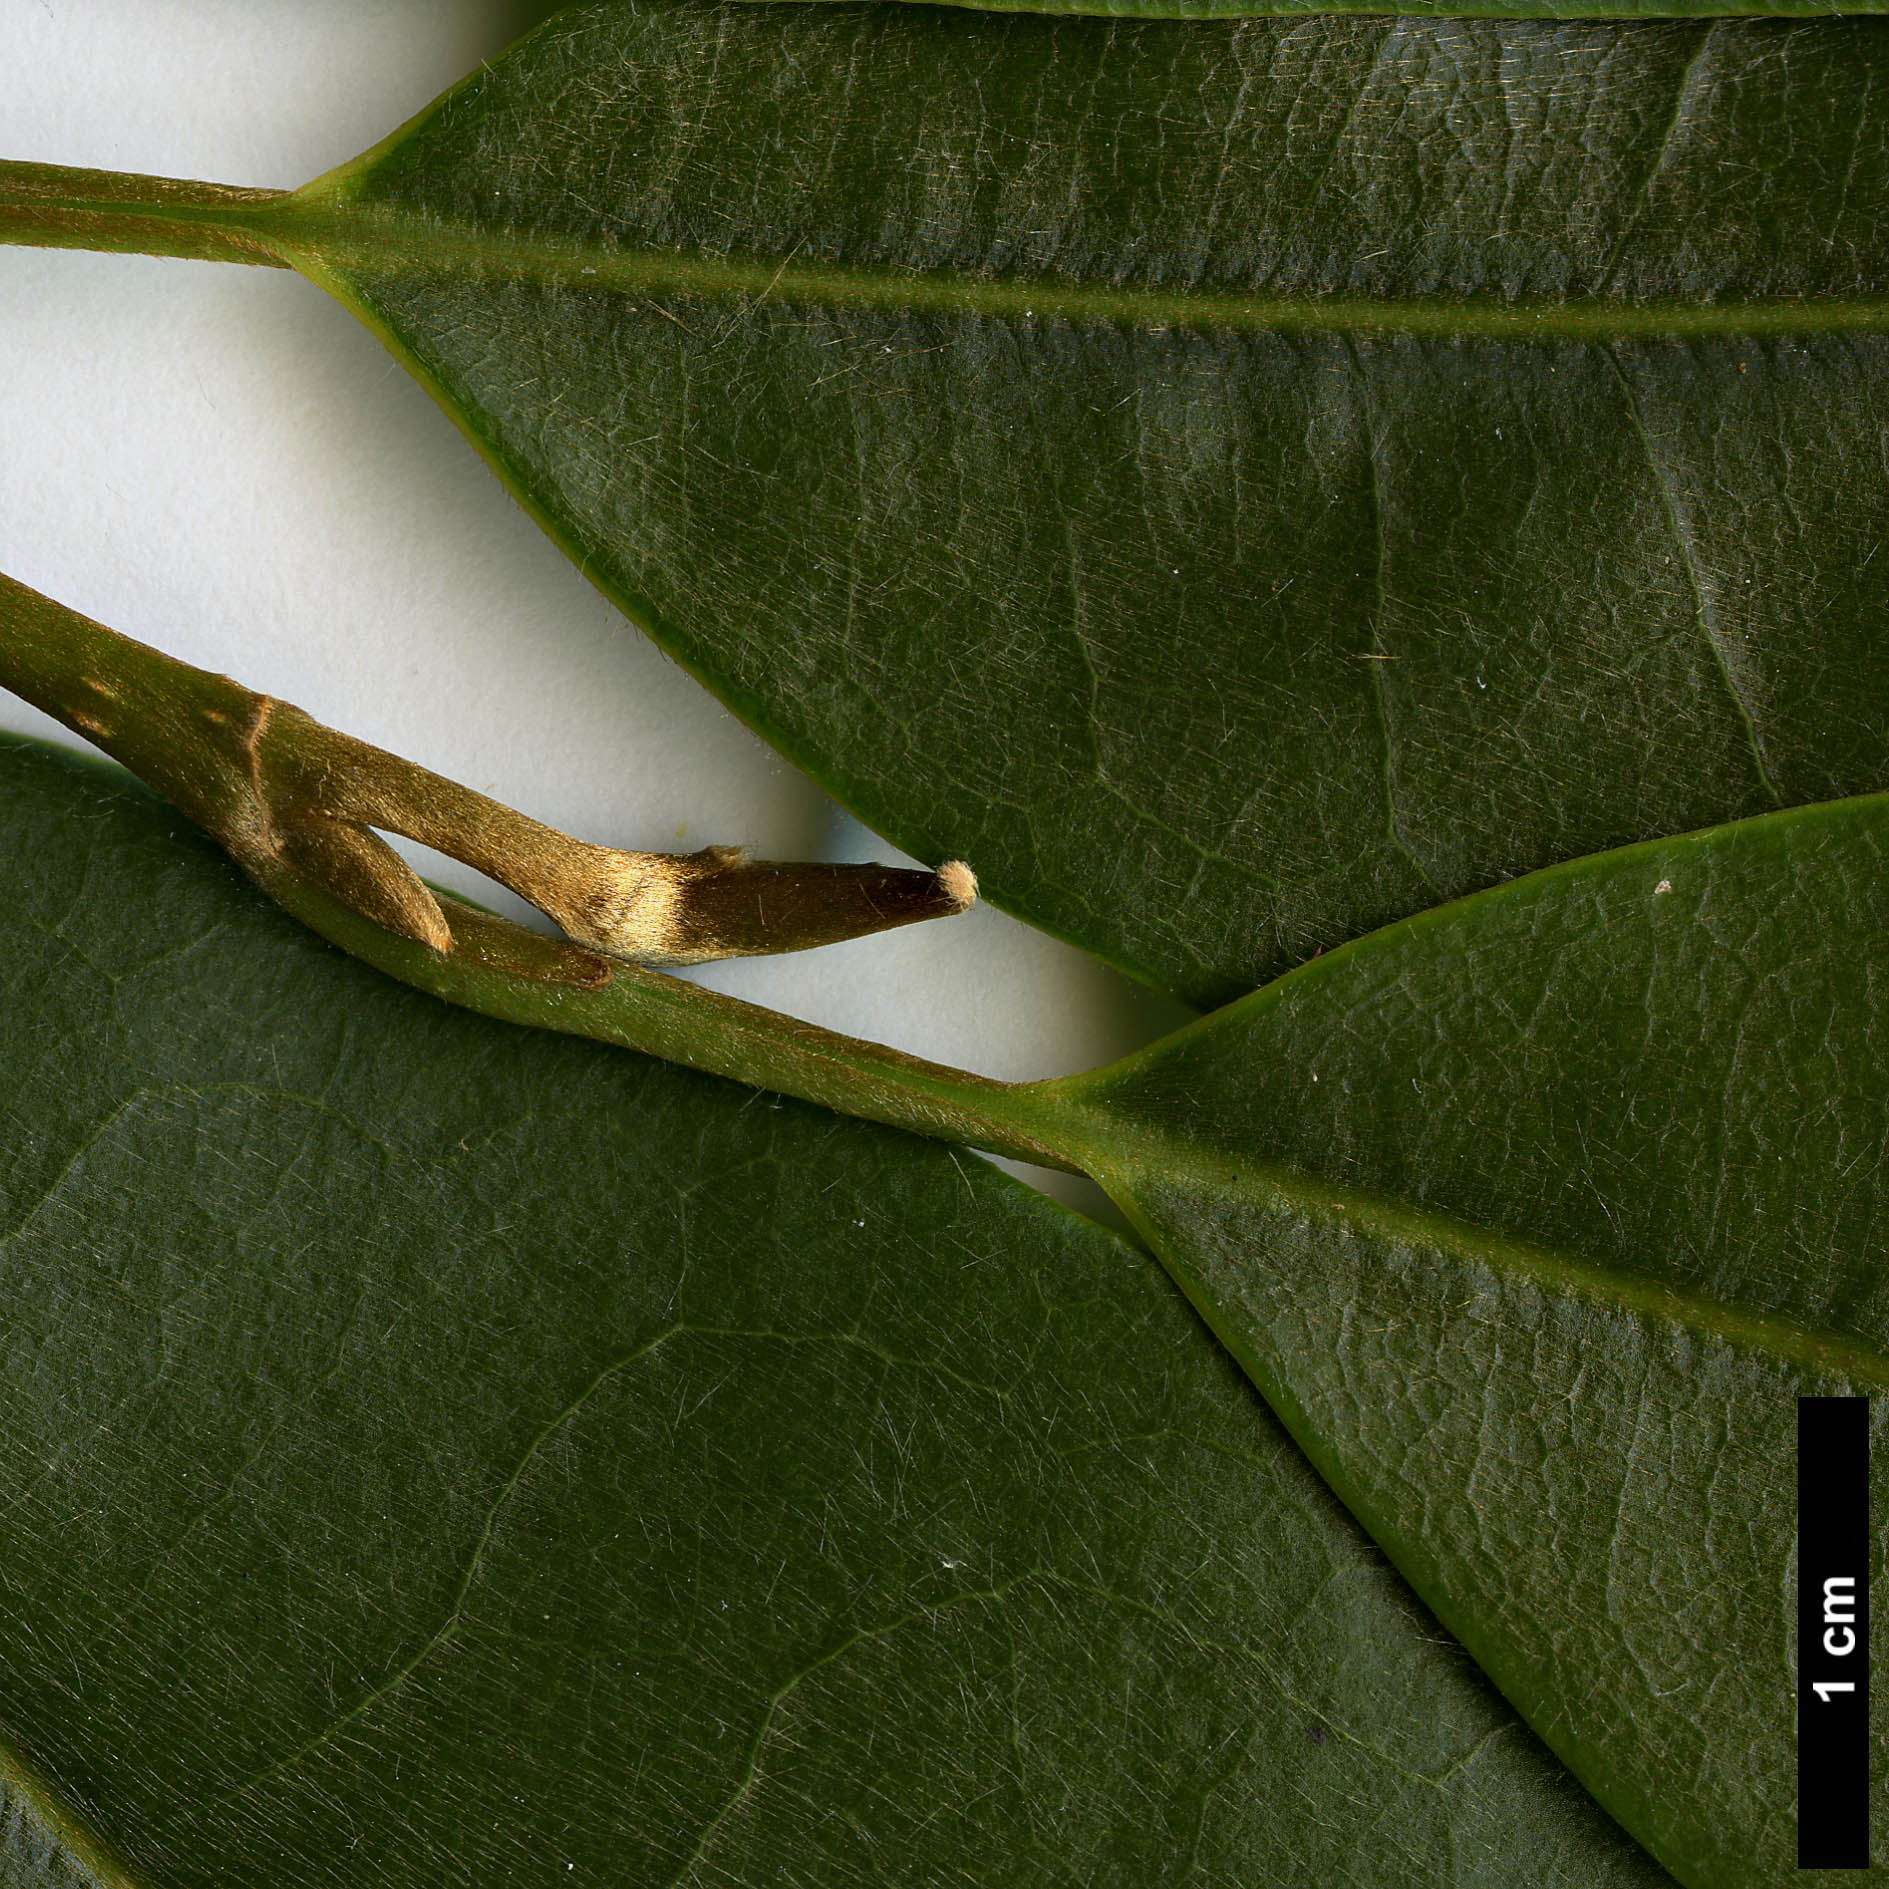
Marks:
<point>367,239</point>
<point>1128,1159</point>
<point>325,230</point>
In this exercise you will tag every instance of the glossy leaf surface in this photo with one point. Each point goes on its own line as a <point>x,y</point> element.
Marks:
<point>1235,484</point>
<point>1533,1217</point>
<point>433,1451</point>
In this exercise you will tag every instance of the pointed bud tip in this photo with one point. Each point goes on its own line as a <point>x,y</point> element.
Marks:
<point>958,883</point>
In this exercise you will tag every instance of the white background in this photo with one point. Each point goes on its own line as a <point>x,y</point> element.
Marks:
<point>220,461</point>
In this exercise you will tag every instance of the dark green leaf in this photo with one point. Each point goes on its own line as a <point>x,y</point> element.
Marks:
<point>1240,486</point>
<point>1533,1217</point>
<point>1236,485</point>
<point>436,1452</point>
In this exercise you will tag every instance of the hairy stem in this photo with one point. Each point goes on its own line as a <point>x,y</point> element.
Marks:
<point>55,207</point>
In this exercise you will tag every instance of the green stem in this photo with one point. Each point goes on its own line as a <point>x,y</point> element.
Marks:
<point>499,969</point>
<point>183,731</point>
<point>55,207</point>
<point>254,772</point>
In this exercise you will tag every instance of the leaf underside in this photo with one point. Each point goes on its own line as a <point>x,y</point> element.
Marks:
<point>433,1451</point>
<point>1235,484</point>
<point>1534,1217</point>
<point>1239,485</point>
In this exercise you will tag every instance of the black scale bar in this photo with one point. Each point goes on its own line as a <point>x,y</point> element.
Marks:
<point>1833,1633</point>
